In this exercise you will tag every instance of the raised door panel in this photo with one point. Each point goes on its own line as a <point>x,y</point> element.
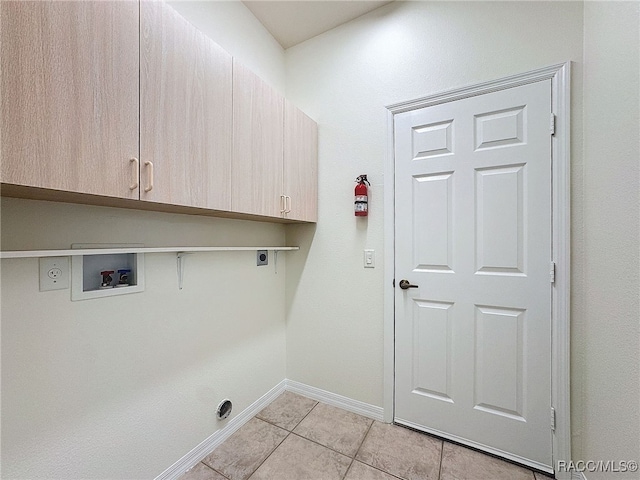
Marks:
<point>258,129</point>
<point>70,96</point>
<point>186,113</point>
<point>300,165</point>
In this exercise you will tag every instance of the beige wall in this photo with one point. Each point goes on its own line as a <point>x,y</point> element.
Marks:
<point>232,26</point>
<point>122,387</point>
<point>608,322</point>
<point>344,78</point>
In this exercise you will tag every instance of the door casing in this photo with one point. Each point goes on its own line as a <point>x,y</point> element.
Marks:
<point>560,307</point>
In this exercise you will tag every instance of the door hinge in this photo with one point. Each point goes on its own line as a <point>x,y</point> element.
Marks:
<point>552,272</point>
<point>552,124</point>
<point>553,419</point>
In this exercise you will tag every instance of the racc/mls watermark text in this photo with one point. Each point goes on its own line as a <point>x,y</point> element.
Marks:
<point>602,466</point>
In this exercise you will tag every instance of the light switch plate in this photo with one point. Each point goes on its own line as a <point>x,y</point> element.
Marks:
<point>54,273</point>
<point>369,259</point>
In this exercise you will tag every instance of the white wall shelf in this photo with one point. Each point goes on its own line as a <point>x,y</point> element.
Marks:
<point>109,251</point>
<point>76,255</point>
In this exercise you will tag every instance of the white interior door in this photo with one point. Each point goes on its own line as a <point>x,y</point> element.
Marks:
<point>473,235</point>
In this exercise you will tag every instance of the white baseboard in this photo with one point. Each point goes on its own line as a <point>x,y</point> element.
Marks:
<point>208,444</point>
<point>346,403</point>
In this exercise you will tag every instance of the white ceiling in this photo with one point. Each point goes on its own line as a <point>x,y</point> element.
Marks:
<point>294,21</point>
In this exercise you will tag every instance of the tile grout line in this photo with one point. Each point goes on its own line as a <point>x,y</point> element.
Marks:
<point>313,441</point>
<point>299,422</point>
<point>363,439</point>
<point>441,457</point>
<point>308,413</point>
<point>268,456</point>
<point>326,446</point>
<point>348,468</point>
<point>321,445</point>
<point>353,459</point>
<point>393,475</point>
<point>365,463</point>
<point>289,432</point>
<point>220,473</point>
<point>272,424</point>
<point>211,468</point>
<point>329,448</point>
<point>272,451</point>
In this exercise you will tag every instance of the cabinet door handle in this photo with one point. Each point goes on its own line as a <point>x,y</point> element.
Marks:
<point>136,173</point>
<point>149,166</point>
<point>287,204</point>
<point>283,204</point>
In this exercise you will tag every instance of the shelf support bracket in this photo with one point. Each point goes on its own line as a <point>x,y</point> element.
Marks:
<point>181,257</point>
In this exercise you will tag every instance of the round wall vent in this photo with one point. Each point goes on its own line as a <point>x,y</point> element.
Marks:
<point>224,409</point>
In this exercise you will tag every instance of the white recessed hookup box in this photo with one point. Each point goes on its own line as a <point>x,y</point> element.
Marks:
<point>97,276</point>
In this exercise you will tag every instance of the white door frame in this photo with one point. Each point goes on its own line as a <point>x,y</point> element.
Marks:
<point>560,151</point>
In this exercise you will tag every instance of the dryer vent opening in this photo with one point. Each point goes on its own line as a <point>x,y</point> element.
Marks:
<point>224,409</point>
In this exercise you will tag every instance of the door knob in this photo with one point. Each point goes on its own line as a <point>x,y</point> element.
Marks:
<point>404,284</point>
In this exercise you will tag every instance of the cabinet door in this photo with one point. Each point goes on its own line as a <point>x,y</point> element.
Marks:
<point>70,95</point>
<point>185,118</point>
<point>258,128</point>
<point>300,164</point>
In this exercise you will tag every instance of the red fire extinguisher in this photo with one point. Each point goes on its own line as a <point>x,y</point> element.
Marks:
<point>362,199</point>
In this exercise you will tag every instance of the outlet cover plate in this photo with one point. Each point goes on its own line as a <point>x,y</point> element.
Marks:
<point>262,257</point>
<point>54,273</point>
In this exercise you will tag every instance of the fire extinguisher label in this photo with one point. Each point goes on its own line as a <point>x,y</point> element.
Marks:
<point>361,203</point>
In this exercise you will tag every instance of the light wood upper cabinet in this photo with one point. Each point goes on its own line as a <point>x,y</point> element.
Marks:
<point>70,96</point>
<point>258,130</point>
<point>275,152</point>
<point>186,112</point>
<point>300,165</point>
<point>130,103</point>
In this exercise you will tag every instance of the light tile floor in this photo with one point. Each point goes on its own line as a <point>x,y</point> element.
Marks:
<point>296,438</point>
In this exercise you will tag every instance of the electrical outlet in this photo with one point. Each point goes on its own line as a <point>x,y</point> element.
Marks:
<point>54,273</point>
<point>263,257</point>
